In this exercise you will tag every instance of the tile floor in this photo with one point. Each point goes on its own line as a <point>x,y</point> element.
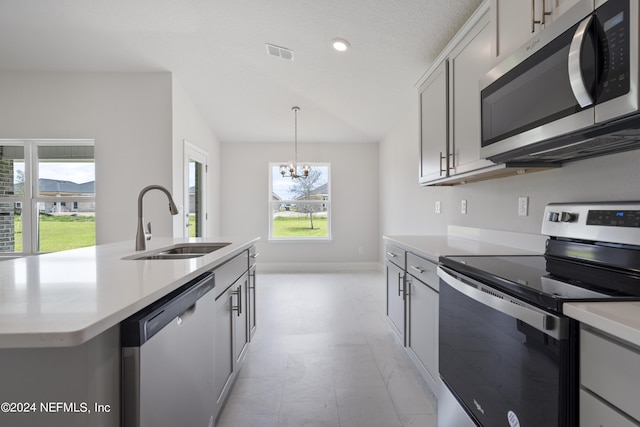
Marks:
<point>323,355</point>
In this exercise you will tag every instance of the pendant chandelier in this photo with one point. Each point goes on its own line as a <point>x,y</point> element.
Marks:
<point>292,167</point>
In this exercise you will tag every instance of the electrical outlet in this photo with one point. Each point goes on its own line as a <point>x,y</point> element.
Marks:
<point>463,207</point>
<point>438,206</point>
<point>523,206</point>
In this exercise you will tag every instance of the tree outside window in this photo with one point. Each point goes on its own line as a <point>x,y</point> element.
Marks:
<point>300,207</point>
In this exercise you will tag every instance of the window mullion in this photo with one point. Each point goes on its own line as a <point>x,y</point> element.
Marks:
<point>31,171</point>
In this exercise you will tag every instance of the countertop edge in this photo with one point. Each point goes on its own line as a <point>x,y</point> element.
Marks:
<point>618,319</point>
<point>76,337</point>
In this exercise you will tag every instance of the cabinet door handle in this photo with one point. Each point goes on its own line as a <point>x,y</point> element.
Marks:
<point>391,254</point>
<point>441,159</point>
<point>254,256</point>
<point>453,161</point>
<point>534,21</point>
<point>545,13</point>
<point>407,286</point>
<point>252,277</point>
<point>238,294</point>
<point>400,280</point>
<point>418,269</point>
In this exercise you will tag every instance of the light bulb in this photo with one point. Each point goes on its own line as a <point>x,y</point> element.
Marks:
<point>341,45</point>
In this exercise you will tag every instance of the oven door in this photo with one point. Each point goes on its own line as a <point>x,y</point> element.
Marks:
<point>506,362</point>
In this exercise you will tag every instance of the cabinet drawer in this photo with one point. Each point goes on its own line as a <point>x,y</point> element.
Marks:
<point>229,272</point>
<point>395,254</point>
<point>596,413</point>
<point>253,254</point>
<point>609,369</point>
<point>424,270</point>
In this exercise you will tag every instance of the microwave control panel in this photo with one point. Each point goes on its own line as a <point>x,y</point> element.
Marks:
<point>614,41</point>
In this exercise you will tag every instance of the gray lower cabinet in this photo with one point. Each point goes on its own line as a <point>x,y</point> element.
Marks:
<point>232,324</point>
<point>240,321</point>
<point>609,381</point>
<point>412,308</point>
<point>422,314</point>
<point>224,351</point>
<point>251,309</point>
<point>396,300</point>
<point>396,295</point>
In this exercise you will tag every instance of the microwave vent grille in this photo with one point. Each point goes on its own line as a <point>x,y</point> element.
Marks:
<point>566,153</point>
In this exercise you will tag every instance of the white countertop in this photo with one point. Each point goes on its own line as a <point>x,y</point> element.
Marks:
<point>66,298</point>
<point>620,319</point>
<point>433,247</point>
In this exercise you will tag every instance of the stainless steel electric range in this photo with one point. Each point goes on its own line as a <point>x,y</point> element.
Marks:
<point>508,354</point>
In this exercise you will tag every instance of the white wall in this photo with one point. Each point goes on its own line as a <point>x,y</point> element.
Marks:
<point>354,202</point>
<point>129,117</point>
<point>407,208</point>
<point>189,124</point>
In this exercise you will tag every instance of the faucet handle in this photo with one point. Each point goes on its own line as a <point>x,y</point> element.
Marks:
<point>148,232</point>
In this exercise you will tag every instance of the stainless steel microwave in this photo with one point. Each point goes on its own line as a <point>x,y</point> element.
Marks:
<point>571,92</point>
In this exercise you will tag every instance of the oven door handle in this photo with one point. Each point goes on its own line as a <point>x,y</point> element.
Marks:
<point>549,324</point>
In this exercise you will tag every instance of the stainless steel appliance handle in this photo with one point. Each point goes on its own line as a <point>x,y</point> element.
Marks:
<point>544,322</point>
<point>576,80</point>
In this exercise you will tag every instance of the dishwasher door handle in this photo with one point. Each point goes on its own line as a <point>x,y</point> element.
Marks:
<point>186,314</point>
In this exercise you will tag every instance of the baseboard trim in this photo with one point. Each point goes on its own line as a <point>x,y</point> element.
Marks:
<point>315,267</point>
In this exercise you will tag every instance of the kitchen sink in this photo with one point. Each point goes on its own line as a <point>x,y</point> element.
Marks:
<point>180,251</point>
<point>193,248</point>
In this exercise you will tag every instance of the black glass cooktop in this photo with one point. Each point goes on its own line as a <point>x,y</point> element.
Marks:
<point>533,279</point>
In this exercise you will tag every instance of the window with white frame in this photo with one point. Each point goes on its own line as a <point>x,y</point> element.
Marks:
<point>300,208</point>
<point>47,195</point>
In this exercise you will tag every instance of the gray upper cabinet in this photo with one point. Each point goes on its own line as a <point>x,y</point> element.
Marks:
<point>434,132</point>
<point>516,21</point>
<point>469,61</point>
<point>450,105</point>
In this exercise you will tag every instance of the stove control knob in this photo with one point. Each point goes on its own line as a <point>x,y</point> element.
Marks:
<point>554,216</point>
<point>567,217</point>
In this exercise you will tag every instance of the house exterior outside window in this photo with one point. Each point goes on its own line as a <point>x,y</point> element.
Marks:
<point>47,195</point>
<point>300,208</point>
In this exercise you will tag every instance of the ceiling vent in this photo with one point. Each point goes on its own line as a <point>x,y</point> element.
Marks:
<point>280,52</point>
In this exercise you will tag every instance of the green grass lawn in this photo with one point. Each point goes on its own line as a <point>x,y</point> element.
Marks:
<point>299,226</point>
<point>59,233</point>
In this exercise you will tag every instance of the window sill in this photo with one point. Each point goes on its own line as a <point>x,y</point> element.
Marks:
<point>300,240</point>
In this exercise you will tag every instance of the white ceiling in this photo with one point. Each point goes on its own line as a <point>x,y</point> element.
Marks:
<point>216,50</point>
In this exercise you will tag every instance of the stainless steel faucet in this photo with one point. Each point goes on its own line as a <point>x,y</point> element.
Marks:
<point>141,235</point>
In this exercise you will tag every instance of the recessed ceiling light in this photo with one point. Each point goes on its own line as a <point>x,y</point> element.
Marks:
<point>340,45</point>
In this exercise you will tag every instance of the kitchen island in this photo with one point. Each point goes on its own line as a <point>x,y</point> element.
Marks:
<point>59,325</point>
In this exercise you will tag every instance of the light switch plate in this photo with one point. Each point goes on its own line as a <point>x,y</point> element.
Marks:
<point>438,206</point>
<point>463,207</point>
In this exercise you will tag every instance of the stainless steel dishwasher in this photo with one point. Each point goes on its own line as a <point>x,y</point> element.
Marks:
<point>168,360</point>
